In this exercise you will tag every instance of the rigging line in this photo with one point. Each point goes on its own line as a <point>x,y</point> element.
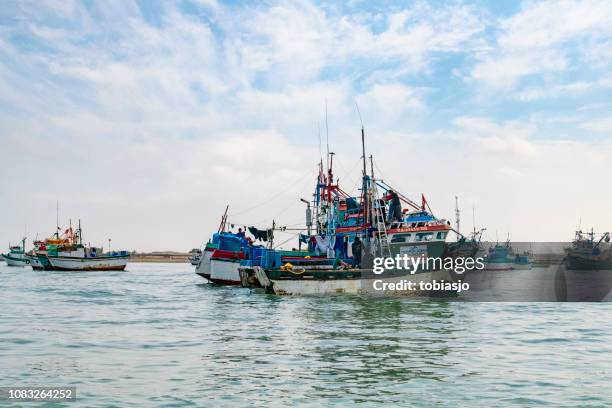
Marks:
<point>281,191</point>
<point>293,236</point>
<point>350,170</point>
<point>282,211</point>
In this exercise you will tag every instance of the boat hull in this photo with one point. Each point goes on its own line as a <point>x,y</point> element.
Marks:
<point>203,268</point>
<point>115,263</point>
<point>225,271</point>
<point>15,261</point>
<point>34,262</point>
<point>582,263</point>
<point>351,282</point>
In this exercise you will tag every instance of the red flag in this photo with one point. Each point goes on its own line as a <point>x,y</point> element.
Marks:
<point>423,201</point>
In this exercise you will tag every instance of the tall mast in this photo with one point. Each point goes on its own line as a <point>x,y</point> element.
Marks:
<point>327,134</point>
<point>457,218</point>
<point>365,174</point>
<point>57,219</point>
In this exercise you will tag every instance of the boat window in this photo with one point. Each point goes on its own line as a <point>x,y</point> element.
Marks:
<point>400,238</point>
<point>441,235</point>
<point>424,236</point>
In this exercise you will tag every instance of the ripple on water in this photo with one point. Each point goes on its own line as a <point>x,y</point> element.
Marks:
<point>157,335</point>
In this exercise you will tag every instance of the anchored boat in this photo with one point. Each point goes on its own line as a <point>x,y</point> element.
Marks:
<point>589,253</point>
<point>500,257</point>
<point>67,253</point>
<point>349,233</point>
<point>17,255</point>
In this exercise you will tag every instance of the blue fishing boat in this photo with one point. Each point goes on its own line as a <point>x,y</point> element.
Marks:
<point>500,257</point>
<point>349,233</point>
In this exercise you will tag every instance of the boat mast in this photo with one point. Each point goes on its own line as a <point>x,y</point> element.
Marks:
<point>457,218</point>
<point>223,220</point>
<point>57,219</point>
<point>365,187</point>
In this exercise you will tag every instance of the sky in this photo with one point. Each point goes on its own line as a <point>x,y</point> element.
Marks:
<point>144,119</point>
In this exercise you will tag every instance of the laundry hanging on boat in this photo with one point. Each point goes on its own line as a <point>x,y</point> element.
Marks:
<point>261,235</point>
<point>323,243</point>
<point>340,246</point>
<point>312,244</point>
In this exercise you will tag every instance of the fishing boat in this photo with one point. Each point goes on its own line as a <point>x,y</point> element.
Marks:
<point>589,253</point>
<point>341,220</point>
<point>222,255</point>
<point>67,253</point>
<point>17,255</point>
<point>225,259</point>
<point>523,261</point>
<point>203,267</point>
<point>195,258</point>
<point>500,257</point>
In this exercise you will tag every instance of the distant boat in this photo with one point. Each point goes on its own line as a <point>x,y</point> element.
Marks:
<point>523,261</point>
<point>16,255</point>
<point>195,258</point>
<point>67,253</point>
<point>588,254</point>
<point>500,258</point>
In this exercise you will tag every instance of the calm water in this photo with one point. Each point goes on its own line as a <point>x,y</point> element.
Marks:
<point>157,335</point>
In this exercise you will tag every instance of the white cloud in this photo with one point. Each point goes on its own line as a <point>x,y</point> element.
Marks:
<point>549,36</point>
<point>599,125</point>
<point>155,126</point>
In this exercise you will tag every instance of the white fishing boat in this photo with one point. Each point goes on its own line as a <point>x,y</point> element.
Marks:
<point>16,255</point>
<point>221,258</point>
<point>86,259</point>
<point>353,281</point>
<point>204,266</point>
<point>74,256</point>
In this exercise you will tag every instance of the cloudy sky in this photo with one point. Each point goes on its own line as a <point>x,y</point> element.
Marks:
<point>144,118</point>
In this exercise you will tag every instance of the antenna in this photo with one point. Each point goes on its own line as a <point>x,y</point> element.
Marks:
<point>457,217</point>
<point>320,147</point>
<point>327,134</point>
<point>366,204</point>
<point>362,139</point>
<point>57,219</point>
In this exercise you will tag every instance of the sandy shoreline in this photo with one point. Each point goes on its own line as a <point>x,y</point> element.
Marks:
<point>174,257</point>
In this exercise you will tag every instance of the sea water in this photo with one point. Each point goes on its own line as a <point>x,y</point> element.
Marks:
<point>158,335</point>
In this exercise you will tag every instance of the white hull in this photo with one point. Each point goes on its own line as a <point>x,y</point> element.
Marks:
<point>203,268</point>
<point>375,286</point>
<point>225,272</point>
<point>10,261</point>
<point>89,264</point>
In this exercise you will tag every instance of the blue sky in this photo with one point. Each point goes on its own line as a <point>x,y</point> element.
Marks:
<point>145,118</point>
